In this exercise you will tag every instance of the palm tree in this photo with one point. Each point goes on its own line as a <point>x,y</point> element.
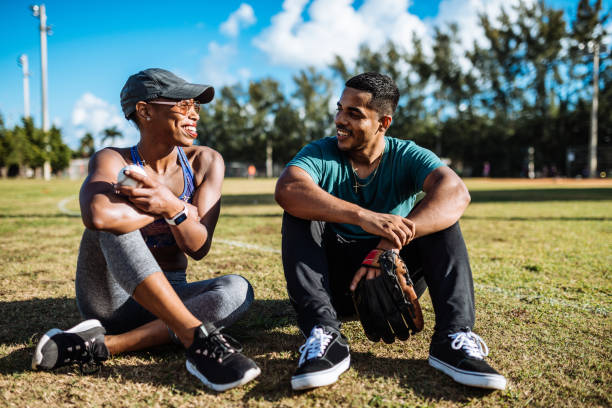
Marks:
<point>86,146</point>
<point>111,133</point>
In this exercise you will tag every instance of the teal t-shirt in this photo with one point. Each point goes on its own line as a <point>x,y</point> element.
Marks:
<point>392,189</point>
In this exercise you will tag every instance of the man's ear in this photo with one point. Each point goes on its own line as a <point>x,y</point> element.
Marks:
<point>385,122</point>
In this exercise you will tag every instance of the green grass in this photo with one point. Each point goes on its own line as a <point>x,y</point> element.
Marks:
<point>541,256</point>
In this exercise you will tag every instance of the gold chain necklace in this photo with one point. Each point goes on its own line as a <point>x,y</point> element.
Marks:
<point>357,184</point>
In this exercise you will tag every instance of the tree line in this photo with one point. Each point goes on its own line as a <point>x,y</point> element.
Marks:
<point>528,90</point>
<point>27,147</point>
<point>488,109</point>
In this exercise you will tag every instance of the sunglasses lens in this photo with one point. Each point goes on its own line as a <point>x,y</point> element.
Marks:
<point>184,106</point>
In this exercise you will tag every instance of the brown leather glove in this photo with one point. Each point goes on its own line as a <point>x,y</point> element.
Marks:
<point>387,305</point>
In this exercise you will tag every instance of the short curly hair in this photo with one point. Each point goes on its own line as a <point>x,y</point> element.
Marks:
<point>385,94</point>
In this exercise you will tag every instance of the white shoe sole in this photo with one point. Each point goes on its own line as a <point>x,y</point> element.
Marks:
<point>248,376</point>
<point>471,378</point>
<point>83,326</point>
<point>320,378</point>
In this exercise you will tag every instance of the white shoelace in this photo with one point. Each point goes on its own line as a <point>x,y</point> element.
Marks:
<point>315,345</point>
<point>471,343</point>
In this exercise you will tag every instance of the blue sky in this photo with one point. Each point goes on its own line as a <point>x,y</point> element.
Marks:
<point>96,45</point>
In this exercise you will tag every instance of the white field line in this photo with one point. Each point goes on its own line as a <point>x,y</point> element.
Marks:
<point>587,307</point>
<point>601,310</point>
<point>247,246</point>
<point>61,206</point>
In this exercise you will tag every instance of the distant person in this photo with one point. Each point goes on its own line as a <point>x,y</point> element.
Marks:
<point>251,171</point>
<point>486,169</point>
<point>131,271</point>
<point>347,195</point>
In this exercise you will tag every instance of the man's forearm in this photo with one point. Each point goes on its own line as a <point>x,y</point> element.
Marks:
<point>441,207</point>
<point>305,201</point>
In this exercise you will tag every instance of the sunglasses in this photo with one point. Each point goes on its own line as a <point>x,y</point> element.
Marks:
<point>183,106</point>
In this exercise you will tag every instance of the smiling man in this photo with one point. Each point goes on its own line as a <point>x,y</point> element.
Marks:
<point>348,195</point>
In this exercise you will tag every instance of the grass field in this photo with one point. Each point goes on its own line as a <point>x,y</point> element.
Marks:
<point>541,255</point>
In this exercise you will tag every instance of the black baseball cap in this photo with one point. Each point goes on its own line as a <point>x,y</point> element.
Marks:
<point>158,83</point>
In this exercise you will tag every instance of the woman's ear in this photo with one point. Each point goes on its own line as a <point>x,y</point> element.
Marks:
<point>143,111</point>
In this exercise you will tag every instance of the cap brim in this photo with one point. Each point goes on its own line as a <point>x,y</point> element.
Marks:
<point>200,93</point>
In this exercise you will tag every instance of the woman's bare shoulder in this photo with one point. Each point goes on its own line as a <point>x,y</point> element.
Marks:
<point>109,157</point>
<point>203,159</point>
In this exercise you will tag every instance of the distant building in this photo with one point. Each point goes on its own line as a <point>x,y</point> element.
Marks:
<point>77,169</point>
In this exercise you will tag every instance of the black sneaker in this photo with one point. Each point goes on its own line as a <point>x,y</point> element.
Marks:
<point>325,356</point>
<point>83,345</point>
<point>217,361</point>
<point>461,356</point>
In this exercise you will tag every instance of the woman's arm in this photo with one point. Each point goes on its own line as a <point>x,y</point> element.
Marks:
<point>101,208</point>
<point>196,237</point>
<point>193,236</point>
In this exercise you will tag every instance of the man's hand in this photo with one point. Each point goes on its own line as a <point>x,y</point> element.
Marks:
<point>371,273</point>
<point>387,305</point>
<point>396,229</point>
<point>151,197</point>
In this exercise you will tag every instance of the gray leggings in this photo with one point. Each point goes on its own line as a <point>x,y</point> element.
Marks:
<point>110,266</point>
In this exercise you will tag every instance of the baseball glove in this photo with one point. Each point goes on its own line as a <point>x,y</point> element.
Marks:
<point>387,305</point>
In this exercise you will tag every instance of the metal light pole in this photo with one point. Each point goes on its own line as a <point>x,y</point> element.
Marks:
<point>23,63</point>
<point>593,142</point>
<point>40,12</point>
<point>593,47</point>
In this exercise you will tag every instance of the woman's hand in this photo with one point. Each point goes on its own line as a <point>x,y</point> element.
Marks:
<point>151,196</point>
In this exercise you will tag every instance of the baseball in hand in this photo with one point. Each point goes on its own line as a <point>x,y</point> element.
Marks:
<point>124,180</point>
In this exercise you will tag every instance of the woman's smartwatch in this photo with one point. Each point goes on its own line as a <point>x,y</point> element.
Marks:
<point>178,218</point>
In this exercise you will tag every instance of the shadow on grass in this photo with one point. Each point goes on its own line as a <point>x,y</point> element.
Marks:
<point>54,215</point>
<point>416,375</point>
<point>531,219</point>
<point>23,320</point>
<point>247,199</point>
<point>274,351</point>
<point>275,382</point>
<point>246,216</point>
<point>545,194</point>
<point>264,314</point>
<point>478,196</point>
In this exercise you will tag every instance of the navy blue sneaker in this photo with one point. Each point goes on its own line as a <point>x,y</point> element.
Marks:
<point>216,359</point>
<point>82,344</point>
<point>461,356</point>
<point>325,356</point>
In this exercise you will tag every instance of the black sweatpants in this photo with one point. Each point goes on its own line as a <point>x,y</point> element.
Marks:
<point>320,264</point>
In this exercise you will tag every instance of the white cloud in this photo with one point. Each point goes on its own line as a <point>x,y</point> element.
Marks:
<point>466,14</point>
<point>244,74</point>
<point>92,114</point>
<point>243,17</point>
<point>335,28</point>
<point>215,67</point>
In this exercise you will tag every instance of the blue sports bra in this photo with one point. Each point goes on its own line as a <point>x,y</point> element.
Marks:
<point>157,234</point>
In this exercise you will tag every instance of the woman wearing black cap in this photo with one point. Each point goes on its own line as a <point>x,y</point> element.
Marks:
<point>130,281</point>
